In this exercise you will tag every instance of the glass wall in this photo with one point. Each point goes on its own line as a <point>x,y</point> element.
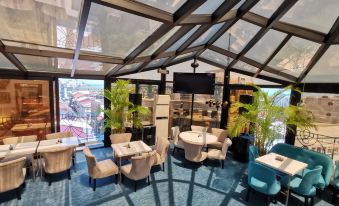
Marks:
<point>24,108</point>
<point>79,102</point>
<point>148,92</point>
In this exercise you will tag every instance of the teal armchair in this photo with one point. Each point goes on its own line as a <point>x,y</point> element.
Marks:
<point>305,186</point>
<point>336,182</point>
<point>262,180</point>
<point>253,153</point>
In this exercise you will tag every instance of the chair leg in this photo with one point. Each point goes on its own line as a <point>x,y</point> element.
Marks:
<point>122,178</point>
<point>248,194</point>
<point>116,179</point>
<point>49,179</point>
<point>135,185</point>
<point>94,184</point>
<point>173,151</point>
<point>312,201</point>
<point>334,197</point>
<point>306,201</point>
<point>89,180</point>
<point>24,184</point>
<point>18,194</point>
<point>268,200</point>
<point>148,180</point>
<point>163,166</point>
<point>222,164</point>
<point>69,173</point>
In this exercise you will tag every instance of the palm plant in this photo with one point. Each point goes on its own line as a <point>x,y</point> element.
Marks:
<point>267,119</point>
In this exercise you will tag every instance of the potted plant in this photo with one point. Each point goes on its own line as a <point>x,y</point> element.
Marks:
<point>266,118</point>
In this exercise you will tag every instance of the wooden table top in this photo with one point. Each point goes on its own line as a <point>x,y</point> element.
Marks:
<point>130,148</point>
<point>197,137</point>
<point>287,165</point>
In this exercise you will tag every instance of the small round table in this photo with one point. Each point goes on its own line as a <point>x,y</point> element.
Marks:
<point>197,137</point>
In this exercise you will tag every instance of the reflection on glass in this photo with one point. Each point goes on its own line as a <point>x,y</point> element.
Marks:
<point>216,57</point>
<point>167,5</point>
<point>24,108</point>
<point>207,35</point>
<point>266,46</point>
<point>148,93</point>
<point>157,62</point>
<point>182,40</point>
<point>294,56</point>
<point>237,37</point>
<point>190,54</point>
<point>269,74</point>
<point>313,14</point>
<point>80,101</point>
<point>130,67</point>
<point>245,67</point>
<point>266,7</point>
<point>115,33</point>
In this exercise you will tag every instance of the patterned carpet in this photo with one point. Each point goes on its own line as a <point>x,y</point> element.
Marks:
<point>182,183</point>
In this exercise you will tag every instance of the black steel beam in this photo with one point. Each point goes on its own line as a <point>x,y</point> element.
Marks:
<point>12,58</point>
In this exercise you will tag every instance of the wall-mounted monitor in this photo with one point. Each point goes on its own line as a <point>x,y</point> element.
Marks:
<point>194,83</point>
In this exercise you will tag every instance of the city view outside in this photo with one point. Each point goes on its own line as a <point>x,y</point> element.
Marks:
<point>80,101</point>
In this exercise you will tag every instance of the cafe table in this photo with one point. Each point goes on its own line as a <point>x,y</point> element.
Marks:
<point>197,137</point>
<point>282,164</point>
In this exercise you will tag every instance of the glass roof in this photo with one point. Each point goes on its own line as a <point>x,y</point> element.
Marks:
<point>208,7</point>
<point>237,37</point>
<point>130,67</point>
<point>207,35</point>
<point>327,68</point>
<point>115,33</point>
<point>5,63</point>
<point>157,62</point>
<point>184,56</point>
<point>294,56</point>
<point>245,67</point>
<point>182,67</point>
<point>167,5</point>
<point>236,78</point>
<point>216,57</point>
<point>52,23</point>
<point>153,75</point>
<point>266,8</point>
<point>266,46</point>
<point>269,74</point>
<point>182,40</point>
<point>313,14</point>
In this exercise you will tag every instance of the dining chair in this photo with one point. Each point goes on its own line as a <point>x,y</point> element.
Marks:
<point>178,143</point>
<point>263,180</point>
<point>221,134</point>
<point>253,153</point>
<point>12,175</point>
<point>305,186</point>
<point>140,168</point>
<point>162,146</point>
<point>21,139</point>
<point>216,154</point>
<point>335,182</point>
<point>56,161</point>
<point>193,152</point>
<point>198,128</point>
<point>59,135</point>
<point>120,138</point>
<point>101,169</point>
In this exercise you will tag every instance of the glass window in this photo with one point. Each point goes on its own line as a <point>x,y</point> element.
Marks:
<point>237,37</point>
<point>115,33</point>
<point>24,108</point>
<point>182,40</point>
<point>148,91</point>
<point>52,23</point>
<point>208,7</point>
<point>157,62</point>
<point>244,79</point>
<point>167,5</point>
<point>156,45</point>
<point>182,67</point>
<point>207,68</point>
<point>203,39</point>
<point>152,75</point>
<point>80,101</point>
<point>5,63</point>
<point>313,14</point>
<point>326,70</point>
<point>216,57</point>
<point>245,67</point>
<point>266,46</point>
<point>266,7</point>
<point>294,56</point>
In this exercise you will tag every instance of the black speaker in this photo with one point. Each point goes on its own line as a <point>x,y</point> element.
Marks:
<point>135,99</point>
<point>245,99</point>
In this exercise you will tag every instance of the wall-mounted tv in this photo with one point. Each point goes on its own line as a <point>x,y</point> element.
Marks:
<point>194,83</point>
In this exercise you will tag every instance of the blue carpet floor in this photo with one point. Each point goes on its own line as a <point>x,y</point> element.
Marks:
<point>182,183</point>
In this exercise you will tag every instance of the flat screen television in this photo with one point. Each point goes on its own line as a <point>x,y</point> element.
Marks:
<point>193,83</point>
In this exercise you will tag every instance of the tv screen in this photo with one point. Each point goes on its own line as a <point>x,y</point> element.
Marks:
<point>193,83</point>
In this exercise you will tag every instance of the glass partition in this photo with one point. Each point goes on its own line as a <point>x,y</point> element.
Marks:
<point>148,92</point>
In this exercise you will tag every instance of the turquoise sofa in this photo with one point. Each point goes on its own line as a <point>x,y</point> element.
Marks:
<point>309,157</point>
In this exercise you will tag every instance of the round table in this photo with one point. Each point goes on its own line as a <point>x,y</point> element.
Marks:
<point>196,137</point>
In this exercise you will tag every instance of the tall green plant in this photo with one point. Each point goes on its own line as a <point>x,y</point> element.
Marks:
<point>267,118</point>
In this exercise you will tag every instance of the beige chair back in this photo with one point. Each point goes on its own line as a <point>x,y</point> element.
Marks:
<point>91,161</point>
<point>175,134</point>
<point>120,138</point>
<point>141,165</point>
<point>192,151</point>
<point>58,160</point>
<point>225,146</point>
<point>59,135</point>
<point>220,133</point>
<point>22,139</point>
<point>198,128</point>
<point>12,174</point>
<point>162,147</point>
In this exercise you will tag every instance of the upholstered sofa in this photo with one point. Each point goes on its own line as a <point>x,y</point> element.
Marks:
<point>309,157</point>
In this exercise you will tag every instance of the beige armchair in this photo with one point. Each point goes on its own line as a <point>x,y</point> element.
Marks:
<point>56,161</point>
<point>59,135</point>
<point>193,152</point>
<point>216,154</point>
<point>120,138</point>
<point>102,169</point>
<point>178,143</point>
<point>140,168</point>
<point>221,134</point>
<point>198,128</point>
<point>161,147</point>
<point>12,175</point>
<point>22,139</point>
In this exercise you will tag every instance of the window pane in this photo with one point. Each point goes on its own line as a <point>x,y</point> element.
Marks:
<point>245,67</point>
<point>115,33</point>
<point>326,69</point>
<point>216,57</point>
<point>5,63</point>
<point>80,101</point>
<point>191,54</point>
<point>152,75</point>
<point>150,50</point>
<point>167,5</point>
<point>313,14</point>
<point>266,7</point>
<point>237,37</point>
<point>130,67</point>
<point>266,46</point>
<point>52,23</point>
<point>24,108</point>
<point>182,40</point>
<point>157,62</point>
<point>269,74</point>
<point>294,56</point>
<point>244,79</point>
<point>203,39</point>
<point>207,68</point>
<point>208,7</point>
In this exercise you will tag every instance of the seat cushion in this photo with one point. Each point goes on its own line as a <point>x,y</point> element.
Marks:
<point>294,186</point>
<point>258,185</point>
<point>126,169</point>
<point>158,160</point>
<point>105,168</point>
<point>321,182</point>
<point>215,145</point>
<point>215,154</point>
